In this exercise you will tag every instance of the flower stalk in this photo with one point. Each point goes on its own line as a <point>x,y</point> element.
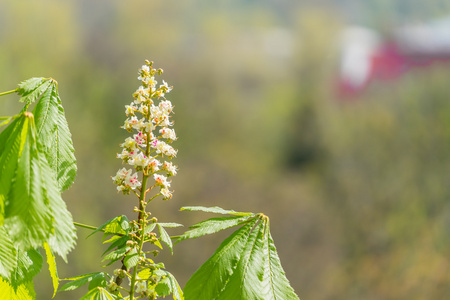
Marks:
<point>148,119</point>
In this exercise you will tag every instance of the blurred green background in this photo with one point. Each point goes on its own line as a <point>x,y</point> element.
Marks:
<point>357,190</point>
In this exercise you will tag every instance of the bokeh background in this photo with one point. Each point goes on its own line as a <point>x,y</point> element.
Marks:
<point>331,117</point>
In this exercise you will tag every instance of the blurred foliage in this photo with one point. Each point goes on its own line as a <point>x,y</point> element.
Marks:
<point>357,189</point>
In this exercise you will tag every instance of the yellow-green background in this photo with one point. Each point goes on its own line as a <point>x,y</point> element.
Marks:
<point>357,190</point>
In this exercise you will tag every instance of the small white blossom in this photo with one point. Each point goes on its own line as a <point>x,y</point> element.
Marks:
<point>170,168</point>
<point>166,193</point>
<point>161,180</point>
<point>168,133</point>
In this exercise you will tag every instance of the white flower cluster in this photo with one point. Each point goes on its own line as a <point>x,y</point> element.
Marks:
<point>150,124</point>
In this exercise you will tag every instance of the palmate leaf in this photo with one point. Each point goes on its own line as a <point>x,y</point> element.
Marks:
<point>245,266</point>
<point>169,285</point>
<point>33,210</point>
<point>213,275</point>
<point>54,135</point>
<point>25,291</point>
<point>99,293</point>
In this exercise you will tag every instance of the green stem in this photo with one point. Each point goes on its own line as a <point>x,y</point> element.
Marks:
<point>84,226</point>
<point>141,221</point>
<point>9,92</point>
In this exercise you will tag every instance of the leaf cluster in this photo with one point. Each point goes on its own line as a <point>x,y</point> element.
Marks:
<point>37,163</point>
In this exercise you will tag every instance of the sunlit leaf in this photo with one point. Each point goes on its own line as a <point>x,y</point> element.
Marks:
<point>81,280</point>
<point>131,259</point>
<point>169,285</point>
<point>165,237</point>
<point>113,226</point>
<point>216,210</point>
<point>52,268</point>
<point>170,225</point>
<point>245,266</point>
<point>29,264</point>
<point>213,275</point>
<point>99,293</point>
<point>8,254</point>
<point>54,135</point>
<point>32,89</point>
<point>24,291</point>
<point>28,217</point>
<point>212,226</point>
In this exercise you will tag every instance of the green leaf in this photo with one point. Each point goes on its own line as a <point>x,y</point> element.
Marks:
<point>54,135</point>
<point>165,237</point>
<point>29,196</point>
<point>25,291</point>
<point>12,141</point>
<point>212,226</point>
<point>116,255</point>
<point>245,266</point>
<point>275,284</point>
<point>131,259</point>
<point>169,285</point>
<point>82,280</point>
<point>113,226</point>
<point>245,282</point>
<point>52,268</point>
<point>63,240</point>
<point>170,225</point>
<point>99,293</point>
<point>149,228</point>
<point>118,242</point>
<point>213,275</point>
<point>8,254</point>
<point>28,217</point>
<point>29,264</point>
<point>32,89</point>
<point>216,210</point>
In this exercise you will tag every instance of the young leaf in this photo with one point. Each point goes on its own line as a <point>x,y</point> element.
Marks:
<point>53,133</point>
<point>216,210</point>
<point>169,285</point>
<point>170,225</point>
<point>212,226</point>
<point>118,243</point>
<point>99,293</point>
<point>52,268</point>
<point>113,226</point>
<point>8,254</point>
<point>116,255</point>
<point>32,89</point>
<point>25,291</point>
<point>81,280</point>
<point>29,264</point>
<point>165,237</point>
<point>213,275</point>
<point>131,259</point>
